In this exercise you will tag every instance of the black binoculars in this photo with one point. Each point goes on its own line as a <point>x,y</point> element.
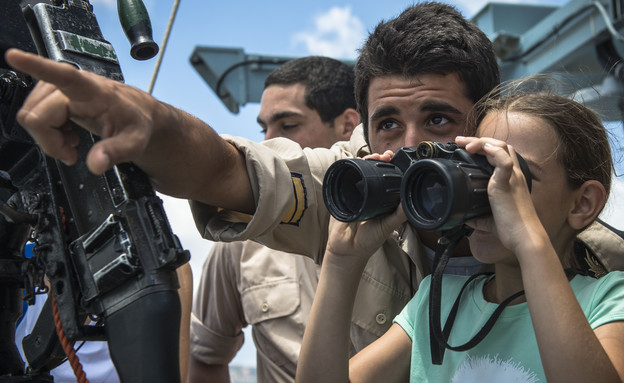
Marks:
<point>440,186</point>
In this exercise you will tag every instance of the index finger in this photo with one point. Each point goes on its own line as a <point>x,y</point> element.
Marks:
<point>63,75</point>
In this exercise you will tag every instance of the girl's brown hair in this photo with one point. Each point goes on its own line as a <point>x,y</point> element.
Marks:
<point>584,149</point>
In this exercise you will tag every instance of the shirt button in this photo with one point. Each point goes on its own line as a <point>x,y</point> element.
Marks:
<point>265,307</point>
<point>380,318</point>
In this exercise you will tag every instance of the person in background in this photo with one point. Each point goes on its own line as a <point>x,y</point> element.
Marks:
<point>311,101</point>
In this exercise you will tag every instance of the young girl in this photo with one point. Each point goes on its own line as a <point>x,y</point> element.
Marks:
<point>566,327</point>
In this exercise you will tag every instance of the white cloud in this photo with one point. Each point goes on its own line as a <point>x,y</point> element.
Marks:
<point>337,33</point>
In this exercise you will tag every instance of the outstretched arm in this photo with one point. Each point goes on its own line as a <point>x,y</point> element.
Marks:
<point>183,156</point>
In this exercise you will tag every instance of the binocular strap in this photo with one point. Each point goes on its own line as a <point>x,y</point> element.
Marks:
<point>438,337</point>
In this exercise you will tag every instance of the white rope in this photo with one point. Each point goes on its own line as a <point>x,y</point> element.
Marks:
<point>161,53</point>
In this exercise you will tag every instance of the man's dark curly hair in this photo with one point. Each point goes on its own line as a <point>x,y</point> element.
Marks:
<point>427,38</point>
<point>328,84</point>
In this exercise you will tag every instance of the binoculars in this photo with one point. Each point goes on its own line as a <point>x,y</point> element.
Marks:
<point>440,186</point>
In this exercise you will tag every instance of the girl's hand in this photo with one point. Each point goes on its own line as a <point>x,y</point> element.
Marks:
<point>512,207</point>
<point>357,241</point>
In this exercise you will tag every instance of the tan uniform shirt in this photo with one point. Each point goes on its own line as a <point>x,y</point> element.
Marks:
<point>245,283</point>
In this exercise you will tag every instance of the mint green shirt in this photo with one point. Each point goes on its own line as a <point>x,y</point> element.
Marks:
<point>509,352</point>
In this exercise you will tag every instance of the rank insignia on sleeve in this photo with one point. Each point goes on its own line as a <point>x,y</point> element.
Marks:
<point>299,201</point>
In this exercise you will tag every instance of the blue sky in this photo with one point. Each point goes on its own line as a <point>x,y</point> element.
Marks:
<point>283,28</point>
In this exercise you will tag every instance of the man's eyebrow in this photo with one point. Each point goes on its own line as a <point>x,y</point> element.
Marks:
<point>432,106</point>
<point>278,116</point>
<point>439,107</point>
<point>384,111</point>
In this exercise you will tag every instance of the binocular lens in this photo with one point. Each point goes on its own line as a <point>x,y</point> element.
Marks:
<point>356,189</point>
<point>427,193</point>
<point>440,194</point>
<point>352,191</point>
<point>431,195</point>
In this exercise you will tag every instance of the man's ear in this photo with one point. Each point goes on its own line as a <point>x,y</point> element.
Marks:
<point>346,123</point>
<point>589,200</point>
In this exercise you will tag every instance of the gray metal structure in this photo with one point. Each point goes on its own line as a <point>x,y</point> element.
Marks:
<point>579,42</point>
<point>235,77</point>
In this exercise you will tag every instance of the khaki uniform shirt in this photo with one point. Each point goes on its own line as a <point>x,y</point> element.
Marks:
<point>291,216</point>
<point>245,283</point>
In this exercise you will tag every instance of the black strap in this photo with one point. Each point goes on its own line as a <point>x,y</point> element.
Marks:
<point>446,245</point>
<point>486,327</point>
<point>439,338</point>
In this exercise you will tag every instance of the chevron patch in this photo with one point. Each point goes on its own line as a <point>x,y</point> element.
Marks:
<point>299,202</point>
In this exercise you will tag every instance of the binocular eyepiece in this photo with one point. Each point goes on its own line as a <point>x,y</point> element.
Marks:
<point>440,186</point>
